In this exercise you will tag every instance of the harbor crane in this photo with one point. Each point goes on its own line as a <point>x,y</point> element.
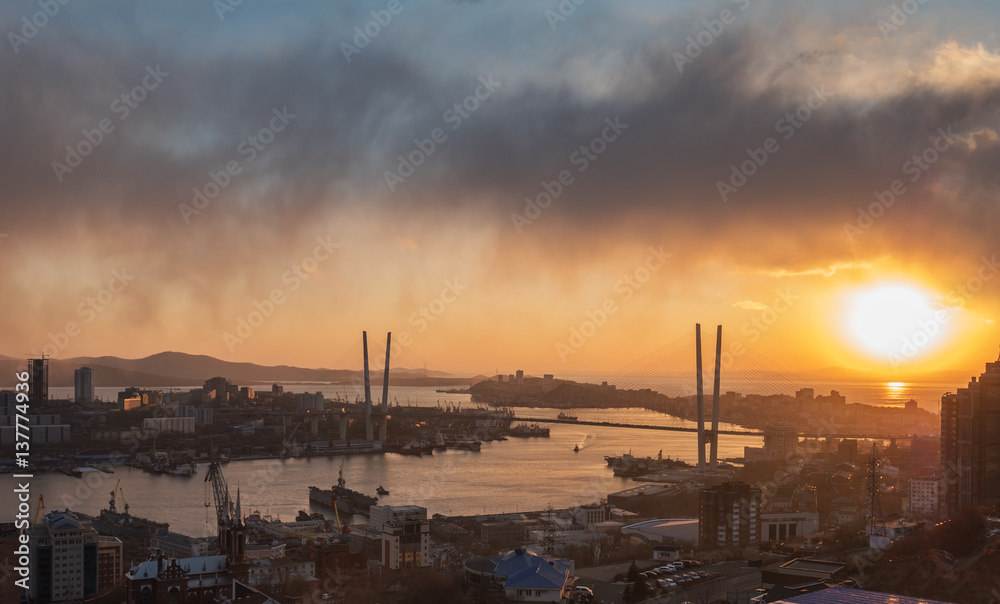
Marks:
<point>224,509</point>
<point>111,502</point>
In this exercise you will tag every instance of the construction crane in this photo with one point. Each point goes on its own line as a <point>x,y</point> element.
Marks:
<point>41,505</point>
<point>343,532</point>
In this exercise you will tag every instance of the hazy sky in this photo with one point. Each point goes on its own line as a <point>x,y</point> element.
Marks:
<point>293,123</point>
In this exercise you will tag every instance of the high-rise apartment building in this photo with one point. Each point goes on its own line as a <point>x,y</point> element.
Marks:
<point>83,385</point>
<point>970,444</point>
<point>729,516</point>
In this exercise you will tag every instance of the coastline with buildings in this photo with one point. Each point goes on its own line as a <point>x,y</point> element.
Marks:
<point>793,525</point>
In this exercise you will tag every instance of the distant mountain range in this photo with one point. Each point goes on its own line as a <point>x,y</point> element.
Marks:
<point>180,369</point>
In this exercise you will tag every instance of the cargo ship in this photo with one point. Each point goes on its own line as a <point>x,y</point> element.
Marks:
<point>524,430</point>
<point>345,500</point>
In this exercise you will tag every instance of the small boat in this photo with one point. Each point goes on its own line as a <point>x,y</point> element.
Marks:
<point>381,490</point>
<point>469,445</point>
<point>568,417</point>
<point>576,449</point>
<point>184,469</point>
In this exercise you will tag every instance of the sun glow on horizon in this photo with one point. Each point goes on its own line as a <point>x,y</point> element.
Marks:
<point>893,322</point>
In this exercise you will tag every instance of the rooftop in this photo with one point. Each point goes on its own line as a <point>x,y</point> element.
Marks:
<point>646,489</point>
<point>526,570</point>
<point>813,564</point>
<point>195,566</point>
<point>839,595</point>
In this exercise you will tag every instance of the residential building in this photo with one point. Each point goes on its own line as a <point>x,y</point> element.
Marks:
<point>924,497</point>
<point>970,444</point>
<point>310,401</point>
<point>64,561</point>
<point>780,439</point>
<point>406,540</point>
<point>83,385</point>
<point>9,592</point>
<point>221,387</point>
<point>729,516</point>
<point>110,571</point>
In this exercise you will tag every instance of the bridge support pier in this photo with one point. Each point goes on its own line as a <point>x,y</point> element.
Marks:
<point>383,424</point>
<point>369,428</point>
<point>701,400</point>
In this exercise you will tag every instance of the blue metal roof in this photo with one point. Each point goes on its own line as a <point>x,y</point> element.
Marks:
<point>840,595</point>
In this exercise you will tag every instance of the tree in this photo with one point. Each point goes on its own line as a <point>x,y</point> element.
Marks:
<point>640,590</point>
<point>633,573</point>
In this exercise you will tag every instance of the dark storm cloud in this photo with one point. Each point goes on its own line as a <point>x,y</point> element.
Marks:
<point>684,132</point>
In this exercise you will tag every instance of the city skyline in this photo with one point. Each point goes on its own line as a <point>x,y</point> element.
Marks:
<point>554,205</point>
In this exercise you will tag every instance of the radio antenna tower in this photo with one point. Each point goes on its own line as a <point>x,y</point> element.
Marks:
<point>873,504</point>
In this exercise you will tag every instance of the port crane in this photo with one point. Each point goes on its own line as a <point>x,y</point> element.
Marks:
<point>111,502</point>
<point>224,509</point>
<point>125,516</point>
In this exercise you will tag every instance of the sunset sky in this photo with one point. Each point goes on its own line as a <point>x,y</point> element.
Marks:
<point>650,228</point>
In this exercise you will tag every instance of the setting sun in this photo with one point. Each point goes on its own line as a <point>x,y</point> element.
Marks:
<point>881,320</point>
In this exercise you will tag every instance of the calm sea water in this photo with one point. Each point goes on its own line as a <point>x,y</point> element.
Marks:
<point>515,475</point>
<point>512,475</point>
